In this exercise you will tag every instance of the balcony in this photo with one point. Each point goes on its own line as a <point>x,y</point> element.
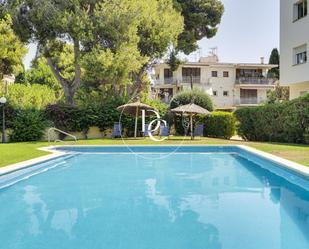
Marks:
<point>194,79</point>
<point>167,81</point>
<point>255,81</point>
<point>175,81</point>
<point>249,101</point>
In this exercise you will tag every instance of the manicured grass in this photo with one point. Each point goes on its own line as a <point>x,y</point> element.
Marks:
<point>17,152</point>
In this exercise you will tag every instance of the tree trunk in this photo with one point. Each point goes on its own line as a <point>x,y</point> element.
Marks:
<point>138,84</point>
<point>69,96</point>
<point>69,87</point>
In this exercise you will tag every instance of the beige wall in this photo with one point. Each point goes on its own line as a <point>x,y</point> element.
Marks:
<point>297,89</point>
<point>221,84</point>
<point>292,34</point>
<point>218,84</point>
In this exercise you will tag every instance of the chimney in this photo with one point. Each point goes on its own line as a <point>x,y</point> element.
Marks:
<point>262,60</point>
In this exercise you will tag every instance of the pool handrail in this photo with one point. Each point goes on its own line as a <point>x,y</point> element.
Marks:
<point>60,131</point>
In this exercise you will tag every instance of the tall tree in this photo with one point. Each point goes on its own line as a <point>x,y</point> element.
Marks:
<point>275,59</point>
<point>201,19</point>
<point>49,21</point>
<point>96,24</point>
<point>158,30</point>
<point>40,73</point>
<point>12,50</point>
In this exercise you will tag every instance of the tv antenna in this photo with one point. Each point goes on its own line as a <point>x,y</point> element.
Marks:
<point>213,51</point>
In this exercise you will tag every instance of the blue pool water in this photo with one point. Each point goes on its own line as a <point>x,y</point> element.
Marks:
<point>222,199</point>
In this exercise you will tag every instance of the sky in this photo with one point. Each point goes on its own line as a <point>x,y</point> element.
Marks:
<point>249,30</point>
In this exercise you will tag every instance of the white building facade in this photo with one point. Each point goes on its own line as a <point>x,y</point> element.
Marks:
<point>294,43</point>
<point>229,85</point>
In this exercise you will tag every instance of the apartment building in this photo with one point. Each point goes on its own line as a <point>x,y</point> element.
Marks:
<point>230,85</point>
<point>294,42</point>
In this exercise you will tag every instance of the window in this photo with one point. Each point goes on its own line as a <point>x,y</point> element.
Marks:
<point>168,73</point>
<point>195,72</point>
<point>300,9</point>
<point>226,93</point>
<point>300,55</point>
<point>214,73</point>
<point>214,93</point>
<point>225,74</point>
<point>188,71</point>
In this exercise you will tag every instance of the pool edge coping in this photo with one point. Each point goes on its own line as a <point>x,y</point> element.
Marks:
<point>28,163</point>
<point>285,163</point>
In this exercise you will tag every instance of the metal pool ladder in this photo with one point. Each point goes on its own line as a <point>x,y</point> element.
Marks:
<point>60,131</point>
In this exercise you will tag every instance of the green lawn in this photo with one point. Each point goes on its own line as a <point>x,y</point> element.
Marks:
<point>17,152</point>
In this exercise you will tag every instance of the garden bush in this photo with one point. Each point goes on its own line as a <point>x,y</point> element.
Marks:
<point>9,116</point>
<point>28,125</point>
<point>33,96</point>
<point>71,118</point>
<point>196,96</point>
<point>220,125</point>
<point>80,119</point>
<point>280,122</point>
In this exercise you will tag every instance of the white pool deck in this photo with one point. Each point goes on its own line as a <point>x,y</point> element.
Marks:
<point>301,169</point>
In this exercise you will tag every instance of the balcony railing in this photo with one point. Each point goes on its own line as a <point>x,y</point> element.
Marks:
<point>255,81</point>
<point>175,81</point>
<point>194,79</point>
<point>167,81</point>
<point>249,101</point>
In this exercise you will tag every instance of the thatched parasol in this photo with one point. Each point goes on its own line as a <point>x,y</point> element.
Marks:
<point>134,109</point>
<point>191,109</point>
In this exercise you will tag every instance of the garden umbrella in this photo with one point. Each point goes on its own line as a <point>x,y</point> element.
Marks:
<point>135,109</point>
<point>191,109</point>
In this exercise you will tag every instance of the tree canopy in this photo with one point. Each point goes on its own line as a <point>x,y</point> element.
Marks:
<point>40,73</point>
<point>12,50</point>
<point>36,96</point>
<point>111,44</point>
<point>113,29</point>
<point>201,19</point>
<point>275,59</point>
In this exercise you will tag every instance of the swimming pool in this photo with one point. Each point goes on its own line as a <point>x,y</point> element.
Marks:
<point>200,197</point>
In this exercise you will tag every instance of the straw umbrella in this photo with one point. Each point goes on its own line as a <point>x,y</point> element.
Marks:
<point>191,109</point>
<point>134,109</point>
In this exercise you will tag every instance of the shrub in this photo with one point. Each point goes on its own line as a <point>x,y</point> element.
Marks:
<point>196,96</point>
<point>220,124</point>
<point>9,116</point>
<point>70,118</point>
<point>27,97</point>
<point>280,122</point>
<point>28,125</point>
<point>162,108</point>
<point>79,119</point>
<point>108,114</point>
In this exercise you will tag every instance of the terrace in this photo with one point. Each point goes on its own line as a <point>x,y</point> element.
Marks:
<point>256,77</point>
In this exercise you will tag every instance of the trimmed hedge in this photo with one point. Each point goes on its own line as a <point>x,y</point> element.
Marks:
<point>77,119</point>
<point>283,122</point>
<point>220,125</point>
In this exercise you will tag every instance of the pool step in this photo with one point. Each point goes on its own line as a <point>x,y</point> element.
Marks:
<point>10,179</point>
